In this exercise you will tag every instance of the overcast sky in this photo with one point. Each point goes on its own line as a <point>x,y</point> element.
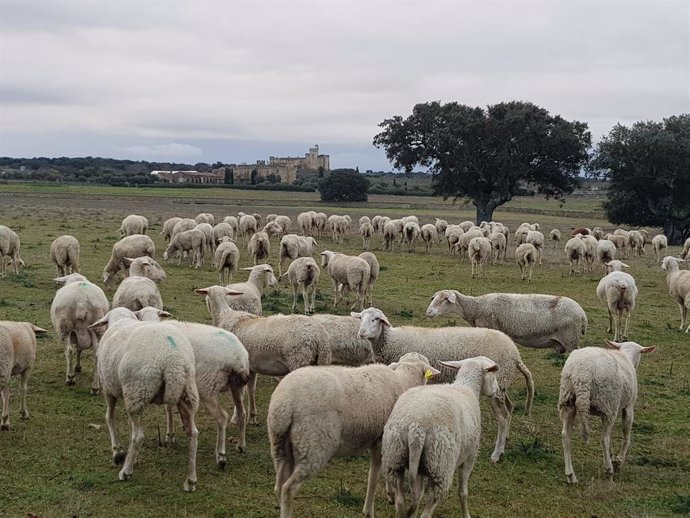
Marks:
<point>237,81</point>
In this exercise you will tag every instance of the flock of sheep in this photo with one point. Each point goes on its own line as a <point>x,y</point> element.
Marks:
<point>332,400</point>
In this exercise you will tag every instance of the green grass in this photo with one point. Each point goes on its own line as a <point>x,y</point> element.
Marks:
<point>56,464</point>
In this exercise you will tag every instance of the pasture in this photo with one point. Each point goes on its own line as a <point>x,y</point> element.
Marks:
<point>58,462</point>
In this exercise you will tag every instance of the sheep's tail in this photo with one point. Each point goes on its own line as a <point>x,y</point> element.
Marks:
<point>174,381</point>
<point>583,327</point>
<point>582,404</point>
<point>415,443</point>
<point>73,256</point>
<point>279,424</point>
<point>530,385</point>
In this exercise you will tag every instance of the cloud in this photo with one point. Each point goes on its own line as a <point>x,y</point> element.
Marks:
<point>163,152</point>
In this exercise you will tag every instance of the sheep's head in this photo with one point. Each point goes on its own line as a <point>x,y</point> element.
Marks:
<point>416,361</point>
<point>632,350</point>
<point>372,322</point>
<point>113,316</point>
<point>108,279</point>
<point>151,314</point>
<point>670,263</point>
<point>146,267</point>
<point>444,302</point>
<point>615,266</point>
<point>488,368</point>
<point>72,277</point>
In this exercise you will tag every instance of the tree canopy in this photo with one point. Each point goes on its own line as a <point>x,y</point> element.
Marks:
<point>344,185</point>
<point>488,155</point>
<point>648,166</point>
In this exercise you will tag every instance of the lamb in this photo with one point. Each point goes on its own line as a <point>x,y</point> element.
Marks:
<point>139,290</point>
<point>182,225</point>
<point>9,246</point>
<point>411,233</point>
<point>260,277</point>
<point>205,217</point>
<point>604,383</point>
<point>606,252</point>
<point>64,252</point>
<point>134,224</point>
<point>615,266</point>
<point>276,345</point>
<point>248,226</point>
<point>222,230</point>
<point>525,257</point>
<point>678,286</point>
<point>191,241</point>
<point>452,343</point>
<point>143,363</point>
<point>77,305</point>
<point>303,274</point>
<point>532,320</point>
<point>479,252</point>
<point>432,431</point>
<point>659,243</point>
<point>17,355</point>
<point>227,256</point>
<point>316,414</point>
<point>168,227</point>
<point>134,246</point>
<point>364,219</point>
<point>618,291</point>
<point>366,230</point>
<point>575,252</point>
<point>259,246</point>
<point>382,223</point>
<point>293,246</point>
<point>555,237</point>
<point>521,233</point>
<point>353,272</point>
<point>536,238</point>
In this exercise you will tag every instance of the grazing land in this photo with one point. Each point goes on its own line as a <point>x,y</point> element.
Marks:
<point>57,463</point>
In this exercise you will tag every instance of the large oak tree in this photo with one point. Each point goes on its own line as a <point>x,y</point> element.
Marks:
<point>488,155</point>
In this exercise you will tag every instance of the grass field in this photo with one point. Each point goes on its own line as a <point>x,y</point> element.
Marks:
<point>56,464</point>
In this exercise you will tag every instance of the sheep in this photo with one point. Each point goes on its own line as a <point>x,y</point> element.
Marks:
<point>305,223</point>
<point>143,363</point>
<point>168,227</point>
<point>498,246</point>
<point>285,223</point>
<point>317,413</point>
<point>590,251</point>
<point>463,244</point>
<point>453,234</point>
<point>364,219</point>
<point>466,225</point>
<point>636,242</point>
<point>441,225</point>
<point>598,233</point>
<point>259,246</point>
<point>9,246</point>
<point>376,223</point>
<point>617,290</point>
<point>685,253</point>
<point>347,347</point>
<point>555,237</point>
<point>222,230</point>
<point>209,237</point>
<point>429,235</point>
<point>620,242</point>
<point>191,241</point>
<point>580,230</point>
<point>536,238</point>
<point>382,223</point>
<point>338,226</point>
<point>659,243</point>
<point>77,305</point>
<point>606,252</point>
<point>479,252</point>
<point>374,269</point>
<point>433,430</point>
<point>391,230</point>
<point>366,230</point>
<point>532,320</point>
<point>604,383</point>
<point>293,246</point>
<point>521,233</point>
<point>407,219</point>
<point>276,345</point>
<point>525,257</point>
<point>260,277</point>
<point>678,286</point>
<point>17,355</point>
<point>411,233</point>
<point>182,225</point>
<point>232,221</point>
<point>452,343</point>
<point>134,224</point>
<point>303,274</point>
<point>272,229</point>
<point>226,256</point>
<point>353,272</point>
<point>615,266</point>
<point>575,252</point>
<point>64,252</point>
<point>139,289</point>
<point>248,226</point>
<point>205,217</point>
<point>134,246</point>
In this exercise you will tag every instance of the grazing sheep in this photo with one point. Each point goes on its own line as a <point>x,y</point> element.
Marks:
<point>659,243</point>
<point>272,229</point>
<point>678,286</point>
<point>366,230</point>
<point>606,252</point>
<point>276,345</point>
<point>382,223</point>
<point>532,320</point>
<point>575,252</point>
<point>9,246</point>
<point>376,223</point>
<point>580,230</point>
<point>555,237</point>
<point>248,225</point>
<point>17,355</point>
<point>285,223</point>
<point>232,221</point>
<point>441,226</point>
<point>411,233</point>
<point>139,289</point>
<point>452,343</point>
<point>391,231</point>
<point>353,272</point>
<point>434,430</point>
<point>205,217</point>
<point>347,347</point>
<point>293,246</point>
<point>525,257</point>
<point>64,252</point>
<point>466,225</point>
<point>685,253</point>
<point>590,251</point>
<point>463,244</point>
<point>521,233</point>
<point>338,226</point>
<point>168,227</point>
<point>620,242</point>
<point>374,268</point>
<point>604,383</point>
<point>479,252</point>
<point>636,242</point>
<point>598,233</point>
<point>222,230</point>
<point>226,257</point>
<point>305,222</point>
<point>182,225</point>
<point>144,363</point>
<point>77,305</point>
<point>618,292</point>
<point>128,247</point>
<point>317,413</point>
<point>429,236</point>
<point>498,246</point>
<point>453,234</point>
<point>209,237</point>
<point>260,277</point>
<point>536,238</point>
<point>303,274</point>
<point>259,247</point>
<point>193,242</point>
<point>134,224</point>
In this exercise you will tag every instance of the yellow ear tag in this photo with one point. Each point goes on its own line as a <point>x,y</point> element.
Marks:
<point>428,374</point>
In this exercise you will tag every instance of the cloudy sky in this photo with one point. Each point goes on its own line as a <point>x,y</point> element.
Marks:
<point>239,80</point>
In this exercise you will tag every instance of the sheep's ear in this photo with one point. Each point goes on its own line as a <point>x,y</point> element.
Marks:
<point>356,315</point>
<point>100,322</point>
<point>201,291</point>
<point>128,260</point>
<point>613,345</point>
<point>384,320</point>
<point>680,260</point>
<point>230,291</point>
<point>625,265</point>
<point>105,277</point>
<point>268,269</point>
<point>650,349</point>
<point>61,280</point>
<point>452,298</point>
<point>164,314</point>
<point>394,365</point>
<point>492,368</point>
<point>248,268</point>
<point>430,372</point>
<point>453,364</point>
<point>37,330</point>
<point>608,264</point>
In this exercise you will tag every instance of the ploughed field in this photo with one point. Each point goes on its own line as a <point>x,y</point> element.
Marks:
<point>58,463</point>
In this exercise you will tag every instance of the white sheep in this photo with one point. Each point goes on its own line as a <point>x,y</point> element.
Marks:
<point>636,242</point>
<point>233,222</point>
<point>303,275</point>
<point>591,244</point>
<point>391,231</point>
<point>168,227</point>
<point>366,230</point>
<point>466,225</point>
<point>285,223</point>
<point>618,291</point>
<point>305,222</point>
<point>598,233</point>
<point>64,252</point>
<point>660,243</point>
<point>205,217</point>
<point>602,382</point>
<point>182,225</point>
<point>555,237</point>
<point>479,253</point>
<point>376,223</point>
<point>221,230</point>
<point>317,413</point>
<point>77,305</point>
<point>620,242</point>
<point>193,242</point>
<point>139,289</point>
<point>17,355</point>
<point>452,343</point>
<point>144,363</point>
<point>272,229</point>
<point>347,347</point>
<point>133,246</point>
<point>525,257</point>
<point>499,245</point>
<point>536,238</point>
<point>259,246</point>
<point>319,223</point>
<point>260,277</point>
<point>453,234</point>
<point>411,232</point>
<point>9,246</point>
<point>429,235</point>
<point>248,225</point>
<point>134,224</point>
<point>678,287</point>
<point>374,269</point>
<point>209,236</point>
<point>685,253</point>
<point>575,252</point>
<point>606,252</point>
<point>350,271</point>
<point>226,257</point>
<point>293,246</point>
<point>532,320</point>
<point>434,430</point>
<point>338,226</point>
<point>441,225</point>
<point>463,243</point>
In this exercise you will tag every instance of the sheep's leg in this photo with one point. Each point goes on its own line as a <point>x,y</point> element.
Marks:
<point>628,414</point>
<point>294,299</point>
<point>610,323</point>
<point>77,367</point>
<point>5,420</point>
<point>289,490</point>
<point>169,425</point>
<point>313,296</point>
<point>221,417</point>
<point>252,397</point>
<point>305,299</point>
<point>374,469</point>
<point>24,388</point>
<point>400,496</point>
<point>433,498</point>
<point>683,316</point>
<point>96,382</point>
<point>503,418</point>
<point>465,471</point>
<point>135,442</point>
<point>567,415</point>
<point>606,429</point>
<point>335,292</point>
<point>237,396</point>
<point>69,354</point>
<point>187,417</point>
<point>118,454</point>
<point>531,266</point>
<point>627,324</point>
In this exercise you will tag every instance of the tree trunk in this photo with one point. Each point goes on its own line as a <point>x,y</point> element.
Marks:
<point>485,212</point>
<point>675,232</point>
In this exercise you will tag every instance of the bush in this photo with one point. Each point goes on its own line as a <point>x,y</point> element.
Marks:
<point>346,185</point>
